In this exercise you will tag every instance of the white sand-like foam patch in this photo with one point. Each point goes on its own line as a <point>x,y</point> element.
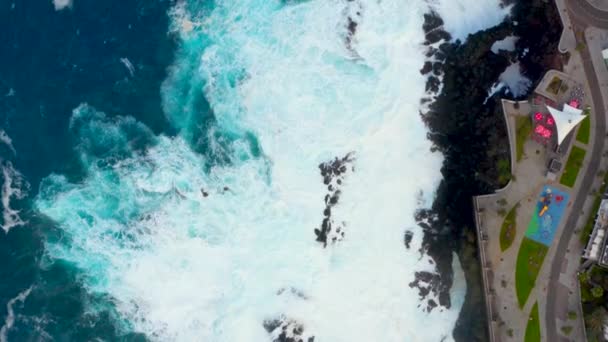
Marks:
<point>512,77</point>
<point>62,4</point>
<point>506,44</point>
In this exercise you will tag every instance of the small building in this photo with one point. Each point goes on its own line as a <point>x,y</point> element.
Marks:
<point>596,246</point>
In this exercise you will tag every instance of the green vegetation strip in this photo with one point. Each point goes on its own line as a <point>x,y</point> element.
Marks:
<point>529,260</point>
<point>508,229</point>
<point>573,165</point>
<point>533,327</point>
<point>523,126</point>
<point>584,131</point>
<point>504,171</point>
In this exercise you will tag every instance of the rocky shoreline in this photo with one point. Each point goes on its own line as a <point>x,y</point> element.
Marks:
<point>467,126</point>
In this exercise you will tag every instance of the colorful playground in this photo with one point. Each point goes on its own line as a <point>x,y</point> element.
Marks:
<point>547,214</point>
<point>549,211</point>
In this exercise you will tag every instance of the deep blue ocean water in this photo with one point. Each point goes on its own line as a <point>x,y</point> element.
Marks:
<point>50,62</point>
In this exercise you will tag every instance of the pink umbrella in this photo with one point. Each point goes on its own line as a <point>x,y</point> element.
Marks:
<point>539,129</point>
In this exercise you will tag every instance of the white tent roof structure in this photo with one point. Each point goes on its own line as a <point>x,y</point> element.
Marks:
<point>566,120</point>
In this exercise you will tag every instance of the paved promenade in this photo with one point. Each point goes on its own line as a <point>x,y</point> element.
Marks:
<point>557,289</point>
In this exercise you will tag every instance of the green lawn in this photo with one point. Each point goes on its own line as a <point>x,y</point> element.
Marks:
<point>554,85</point>
<point>508,229</point>
<point>529,260</point>
<point>523,126</point>
<point>533,327</point>
<point>504,171</point>
<point>584,131</point>
<point>573,165</point>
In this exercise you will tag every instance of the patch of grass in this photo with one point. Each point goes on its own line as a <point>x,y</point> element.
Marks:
<point>573,166</point>
<point>504,171</point>
<point>580,47</point>
<point>529,261</point>
<point>533,327</point>
<point>554,85</point>
<point>566,330</point>
<point>572,315</point>
<point>584,131</point>
<point>508,229</point>
<point>523,128</point>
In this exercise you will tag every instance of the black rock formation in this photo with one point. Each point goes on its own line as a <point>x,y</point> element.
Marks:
<point>333,173</point>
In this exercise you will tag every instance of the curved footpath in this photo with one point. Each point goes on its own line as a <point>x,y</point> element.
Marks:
<point>583,15</point>
<point>591,15</point>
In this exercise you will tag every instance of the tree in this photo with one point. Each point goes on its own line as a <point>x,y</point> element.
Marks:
<point>597,292</point>
<point>596,321</point>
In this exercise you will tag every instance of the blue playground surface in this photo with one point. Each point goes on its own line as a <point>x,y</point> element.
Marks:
<point>548,212</point>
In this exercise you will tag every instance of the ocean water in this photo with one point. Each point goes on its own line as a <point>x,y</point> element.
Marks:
<point>218,170</point>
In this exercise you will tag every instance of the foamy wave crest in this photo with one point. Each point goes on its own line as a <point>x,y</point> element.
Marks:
<point>210,235</point>
<point>13,187</point>
<point>10,313</point>
<point>62,4</point>
<point>6,140</point>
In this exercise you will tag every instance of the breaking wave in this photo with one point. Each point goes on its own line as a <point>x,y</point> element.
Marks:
<point>281,205</point>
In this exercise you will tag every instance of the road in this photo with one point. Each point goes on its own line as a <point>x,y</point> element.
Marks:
<point>582,15</point>
<point>590,16</point>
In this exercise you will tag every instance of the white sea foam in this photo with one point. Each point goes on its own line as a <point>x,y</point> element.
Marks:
<point>517,83</point>
<point>6,140</point>
<point>464,17</point>
<point>10,316</point>
<point>62,4</point>
<point>506,44</point>
<point>13,187</point>
<point>183,266</point>
<point>127,63</point>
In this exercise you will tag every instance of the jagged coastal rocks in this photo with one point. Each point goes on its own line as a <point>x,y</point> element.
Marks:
<point>333,173</point>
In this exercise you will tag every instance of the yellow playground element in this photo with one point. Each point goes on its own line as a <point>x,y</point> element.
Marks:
<point>543,210</point>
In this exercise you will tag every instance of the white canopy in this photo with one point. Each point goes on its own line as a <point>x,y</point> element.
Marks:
<point>565,120</point>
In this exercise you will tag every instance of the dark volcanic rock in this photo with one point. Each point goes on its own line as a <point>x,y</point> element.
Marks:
<point>431,283</point>
<point>407,238</point>
<point>428,67</point>
<point>286,330</point>
<point>333,173</point>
